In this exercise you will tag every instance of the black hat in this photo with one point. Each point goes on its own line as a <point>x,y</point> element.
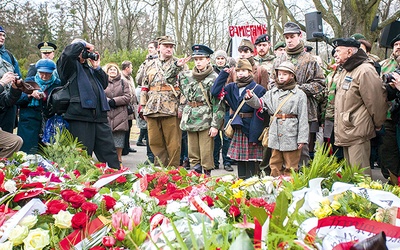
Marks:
<point>397,38</point>
<point>346,42</point>
<point>201,50</point>
<point>308,48</point>
<point>262,39</point>
<point>46,47</point>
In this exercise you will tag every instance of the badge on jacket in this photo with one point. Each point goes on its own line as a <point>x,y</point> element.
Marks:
<point>347,82</point>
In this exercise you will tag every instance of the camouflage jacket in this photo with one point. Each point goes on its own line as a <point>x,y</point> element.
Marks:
<point>160,95</point>
<point>327,97</point>
<point>309,76</point>
<point>210,113</point>
<point>266,61</point>
<point>388,66</point>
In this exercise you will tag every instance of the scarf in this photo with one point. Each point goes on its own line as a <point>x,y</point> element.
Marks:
<point>355,60</point>
<point>251,60</point>
<point>43,86</point>
<point>200,76</point>
<point>286,85</point>
<point>296,50</point>
<point>244,81</point>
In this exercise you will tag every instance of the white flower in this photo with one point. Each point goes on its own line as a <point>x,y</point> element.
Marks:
<point>6,245</point>
<point>174,207</point>
<point>10,186</point>
<point>218,213</point>
<point>228,178</point>
<point>2,165</point>
<point>18,234</point>
<point>28,221</point>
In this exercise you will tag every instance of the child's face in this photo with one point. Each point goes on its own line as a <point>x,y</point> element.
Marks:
<point>284,76</point>
<point>242,73</point>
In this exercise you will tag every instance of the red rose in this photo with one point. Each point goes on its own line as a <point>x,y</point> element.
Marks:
<point>97,248</point>
<point>173,172</point>
<point>108,241</point>
<point>208,200</point>
<point>89,192</point>
<point>176,178</point>
<point>55,206</point>
<point>234,211</point>
<point>121,179</point>
<point>67,194</point>
<point>79,220</point>
<point>77,201</point>
<point>120,234</point>
<point>89,208</point>
<point>109,202</point>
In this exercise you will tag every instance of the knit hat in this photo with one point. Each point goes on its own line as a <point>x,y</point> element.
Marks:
<point>220,53</point>
<point>286,66</point>
<point>291,28</point>
<point>279,44</point>
<point>244,64</point>
<point>45,66</point>
<point>2,30</point>
<point>358,36</point>
<point>246,43</point>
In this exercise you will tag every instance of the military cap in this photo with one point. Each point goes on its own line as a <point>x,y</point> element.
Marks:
<point>45,65</point>
<point>46,47</point>
<point>346,42</point>
<point>165,40</point>
<point>287,66</point>
<point>2,30</point>
<point>397,38</point>
<point>201,50</point>
<point>247,43</point>
<point>291,28</point>
<point>358,36</point>
<point>244,64</point>
<point>279,44</point>
<point>262,39</point>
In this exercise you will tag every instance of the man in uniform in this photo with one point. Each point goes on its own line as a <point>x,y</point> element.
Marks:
<point>47,50</point>
<point>263,58</point>
<point>279,48</point>
<point>310,79</point>
<point>159,100</point>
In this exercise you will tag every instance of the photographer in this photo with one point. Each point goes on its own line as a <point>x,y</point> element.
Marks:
<point>389,152</point>
<point>87,111</point>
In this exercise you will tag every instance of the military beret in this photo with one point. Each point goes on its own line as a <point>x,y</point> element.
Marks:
<point>165,40</point>
<point>291,28</point>
<point>2,30</point>
<point>262,39</point>
<point>45,65</point>
<point>358,36</point>
<point>201,50</point>
<point>346,42</point>
<point>247,43</point>
<point>279,44</point>
<point>46,47</point>
<point>397,38</point>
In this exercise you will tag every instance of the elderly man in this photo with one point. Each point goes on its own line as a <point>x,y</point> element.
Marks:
<point>159,99</point>
<point>263,58</point>
<point>360,102</point>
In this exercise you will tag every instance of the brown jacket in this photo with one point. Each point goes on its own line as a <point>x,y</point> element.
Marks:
<point>360,101</point>
<point>118,117</point>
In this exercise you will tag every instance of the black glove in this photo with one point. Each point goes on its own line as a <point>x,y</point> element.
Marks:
<point>111,102</point>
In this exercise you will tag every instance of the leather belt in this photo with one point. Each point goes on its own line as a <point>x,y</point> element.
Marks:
<point>195,104</point>
<point>246,115</point>
<point>284,116</point>
<point>162,88</point>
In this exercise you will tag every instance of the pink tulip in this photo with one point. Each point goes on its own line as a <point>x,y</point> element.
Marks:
<point>120,234</point>
<point>108,241</point>
<point>136,217</point>
<point>116,220</point>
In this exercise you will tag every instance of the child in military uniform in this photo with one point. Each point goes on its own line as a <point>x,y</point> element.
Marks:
<point>289,127</point>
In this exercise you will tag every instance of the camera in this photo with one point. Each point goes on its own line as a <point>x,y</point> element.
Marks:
<point>387,78</point>
<point>89,55</point>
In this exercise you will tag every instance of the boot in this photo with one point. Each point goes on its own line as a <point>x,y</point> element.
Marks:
<point>250,169</point>
<point>241,169</point>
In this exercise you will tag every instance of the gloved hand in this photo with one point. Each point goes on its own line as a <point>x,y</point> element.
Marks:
<point>111,102</point>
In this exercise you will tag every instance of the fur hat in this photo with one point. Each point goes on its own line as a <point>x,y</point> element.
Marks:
<point>244,64</point>
<point>220,53</point>
<point>246,43</point>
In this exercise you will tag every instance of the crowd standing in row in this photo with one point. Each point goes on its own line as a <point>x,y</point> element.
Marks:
<point>182,113</point>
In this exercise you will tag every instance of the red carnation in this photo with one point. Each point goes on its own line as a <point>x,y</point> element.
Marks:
<point>208,200</point>
<point>67,194</point>
<point>234,211</point>
<point>121,179</point>
<point>89,208</point>
<point>79,220</point>
<point>77,200</point>
<point>55,206</point>
<point>89,192</point>
<point>109,201</point>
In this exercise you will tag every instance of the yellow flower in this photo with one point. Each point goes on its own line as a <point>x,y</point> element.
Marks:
<point>363,185</point>
<point>380,214</point>
<point>323,211</point>
<point>325,201</point>
<point>237,183</point>
<point>239,194</point>
<point>376,185</point>
<point>28,221</point>
<point>8,245</point>
<point>327,210</point>
<point>335,205</point>
<point>337,197</point>
<point>18,234</point>
<point>37,239</point>
<point>63,219</point>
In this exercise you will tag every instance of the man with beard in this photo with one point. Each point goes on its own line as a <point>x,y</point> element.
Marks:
<point>263,58</point>
<point>310,79</point>
<point>360,102</point>
<point>389,151</point>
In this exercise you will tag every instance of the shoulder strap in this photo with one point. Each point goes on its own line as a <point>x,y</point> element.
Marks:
<point>11,57</point>
<point>238,109</point>
<point>280,106</point>
<point>205,94</point>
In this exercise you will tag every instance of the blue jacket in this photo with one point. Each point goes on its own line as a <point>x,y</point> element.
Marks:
<point>251,126</point>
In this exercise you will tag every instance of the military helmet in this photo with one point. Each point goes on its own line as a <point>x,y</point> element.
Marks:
<point>287,66</point>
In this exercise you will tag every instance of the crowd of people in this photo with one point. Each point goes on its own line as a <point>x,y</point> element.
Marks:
<point>274,104</point>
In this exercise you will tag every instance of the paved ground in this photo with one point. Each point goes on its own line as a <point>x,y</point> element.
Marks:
<point>133,159</point>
